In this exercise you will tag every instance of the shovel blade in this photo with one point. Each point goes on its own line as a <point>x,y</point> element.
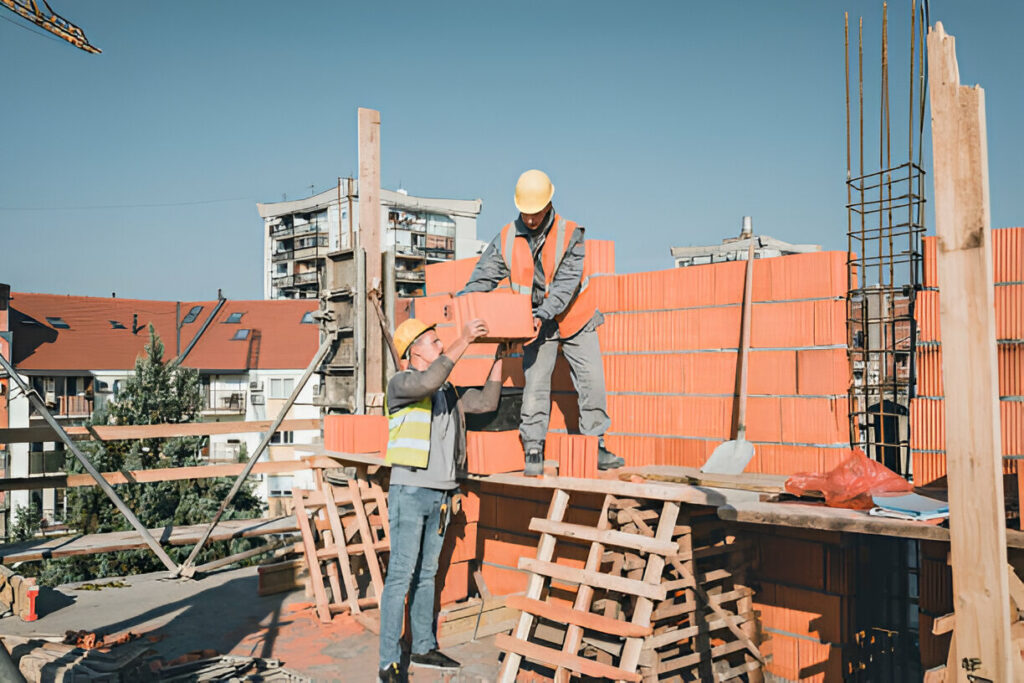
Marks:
<point>730,457</point>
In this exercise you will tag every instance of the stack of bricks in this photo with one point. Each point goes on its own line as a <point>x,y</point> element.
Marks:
<point>805,584</point>
<point>927,410</point>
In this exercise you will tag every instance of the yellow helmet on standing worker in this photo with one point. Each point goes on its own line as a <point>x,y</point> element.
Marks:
<point>533,191</point>
<point>407,333</point>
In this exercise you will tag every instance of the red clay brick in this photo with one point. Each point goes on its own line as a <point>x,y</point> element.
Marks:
<point>356,433</point>
<point>494,452</point>
<point>508,315</point>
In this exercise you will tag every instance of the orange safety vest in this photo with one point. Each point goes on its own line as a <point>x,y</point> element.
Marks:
<point>519,260</point>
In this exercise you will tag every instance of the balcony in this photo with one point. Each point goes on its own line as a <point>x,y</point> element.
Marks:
<point>218,401</point>
<point>283,255</point>
<point>302,279</point>
<point>224,452</point>
<point>409,275</point>
<point>74,406</point>
<point>282,231</point>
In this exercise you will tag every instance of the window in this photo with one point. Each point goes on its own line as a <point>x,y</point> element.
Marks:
<point>241,335</point>
<point>234,318</point>
<point>279,486</point>
<point>192,314</point>
<point>307,318</point>
<point>281,387</point>
<point>116,325</point>
<point>283,437</point>
<point>57,322</point>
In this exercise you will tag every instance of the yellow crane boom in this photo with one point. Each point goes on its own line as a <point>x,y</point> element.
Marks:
<point>50,21</point>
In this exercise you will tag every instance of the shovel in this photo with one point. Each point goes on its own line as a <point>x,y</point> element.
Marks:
<point>732,457</point>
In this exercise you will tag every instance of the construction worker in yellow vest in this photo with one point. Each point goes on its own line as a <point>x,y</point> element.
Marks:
<point>543,254</point>
<point>427,454</point>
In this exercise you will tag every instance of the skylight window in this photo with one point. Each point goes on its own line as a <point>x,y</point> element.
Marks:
<point>241,335</point>
<point>307,318</point>
<point>57,322</point>
<point>116,325</point>
<point>191,316</point>
<point>234,318</point>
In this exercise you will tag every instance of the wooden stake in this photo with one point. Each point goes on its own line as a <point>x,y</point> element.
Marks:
<point>369,240</point>
<point>973,445</point>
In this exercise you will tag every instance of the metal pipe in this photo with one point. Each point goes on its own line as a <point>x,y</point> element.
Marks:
<point>188,349</point>
<point>40,407</point>
<point>187,568</point>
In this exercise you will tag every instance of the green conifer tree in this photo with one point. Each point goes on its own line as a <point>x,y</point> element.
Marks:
<point>158,393</point>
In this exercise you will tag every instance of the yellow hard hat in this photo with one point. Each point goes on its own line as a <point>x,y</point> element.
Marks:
<point>533,191</point>
<point>407,333</point>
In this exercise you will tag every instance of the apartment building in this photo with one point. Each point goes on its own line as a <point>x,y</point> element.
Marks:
<point>77,352</point>
<point>299,234</point>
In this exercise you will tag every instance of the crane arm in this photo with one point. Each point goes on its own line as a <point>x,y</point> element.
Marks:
<point>50,21</point>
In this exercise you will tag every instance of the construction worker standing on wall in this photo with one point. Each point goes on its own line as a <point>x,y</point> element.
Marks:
<point>543,254</point>
<point>427,453</point>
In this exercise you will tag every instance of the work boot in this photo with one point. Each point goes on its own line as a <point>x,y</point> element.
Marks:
<point>435,659</point>
<point>391,674</point>
<point>534,463</point>
<point>606,460</point>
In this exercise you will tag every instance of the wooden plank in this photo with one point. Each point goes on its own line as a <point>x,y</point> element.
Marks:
<point>534,586</point>
<point>342,551</point>
<point>92,544</point>
<point>655,566</point>
<point>731,621</point>
<point>568,615</point>
<point>618,539</point>
<point>748,481</point>
<point>943,624</point>
<point>677,635</point>
<point>595,579</point>
<point>585,594</point>
<point>977,514</point>
<point>667,610</point>
<point>556,658</point>
<point>695,658</point>
<point>368,538</point>
<point>158,431</point>
<point>369,241</point>
<point>316,578</point>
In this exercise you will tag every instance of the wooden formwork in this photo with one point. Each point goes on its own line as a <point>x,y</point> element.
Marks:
<point>661,595</point>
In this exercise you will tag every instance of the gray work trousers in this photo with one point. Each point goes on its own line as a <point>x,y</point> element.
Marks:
<point>583,351</point>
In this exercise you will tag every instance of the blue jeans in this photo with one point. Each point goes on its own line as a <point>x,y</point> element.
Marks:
<point>415,515</point>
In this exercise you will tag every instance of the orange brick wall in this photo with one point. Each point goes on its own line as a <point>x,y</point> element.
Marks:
<point>927,411</point>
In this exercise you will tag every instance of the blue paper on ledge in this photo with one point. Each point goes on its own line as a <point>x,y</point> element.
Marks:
<point>909,506</point>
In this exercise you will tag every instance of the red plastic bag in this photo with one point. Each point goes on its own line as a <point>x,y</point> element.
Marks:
<point>851,484</point>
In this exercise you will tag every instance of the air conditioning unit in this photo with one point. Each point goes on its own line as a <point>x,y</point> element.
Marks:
<point>256,385</point>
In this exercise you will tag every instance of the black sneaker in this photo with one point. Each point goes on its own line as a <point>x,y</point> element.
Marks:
<point>435,659</point>
<point>606,460</point>
<point>534,466</point>
<point>391,674</point>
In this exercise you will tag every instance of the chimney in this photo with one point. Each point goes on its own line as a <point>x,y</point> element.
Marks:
<point>135,323</point>
<point>748,228</point>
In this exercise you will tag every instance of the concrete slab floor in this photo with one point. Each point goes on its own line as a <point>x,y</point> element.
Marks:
<point>222,612</point>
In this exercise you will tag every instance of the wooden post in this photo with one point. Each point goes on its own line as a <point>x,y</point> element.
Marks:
<point>369,240</point>
<point>969,371</point>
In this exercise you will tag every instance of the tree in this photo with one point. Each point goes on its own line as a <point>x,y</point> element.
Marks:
<point>158,392</point>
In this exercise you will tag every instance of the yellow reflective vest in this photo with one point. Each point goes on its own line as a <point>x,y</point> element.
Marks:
<point>409,434</point>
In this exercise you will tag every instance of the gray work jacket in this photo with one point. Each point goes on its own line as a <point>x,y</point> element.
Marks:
<point>491,269</point>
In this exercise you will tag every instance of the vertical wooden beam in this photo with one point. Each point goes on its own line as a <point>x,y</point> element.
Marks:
<point>369,240</point>
<point>969,370</point>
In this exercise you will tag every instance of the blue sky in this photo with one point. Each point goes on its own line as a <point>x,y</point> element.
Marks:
<point>660,123</point>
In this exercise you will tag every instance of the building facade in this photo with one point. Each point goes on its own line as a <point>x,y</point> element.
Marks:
<point>735,248</point>
<point>77,352</point>
<point>299,234</point>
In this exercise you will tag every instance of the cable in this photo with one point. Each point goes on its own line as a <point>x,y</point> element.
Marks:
<point>121,206</point>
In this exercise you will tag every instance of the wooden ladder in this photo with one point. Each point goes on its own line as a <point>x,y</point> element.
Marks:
<point>641,606</point>
<point>340,522</point>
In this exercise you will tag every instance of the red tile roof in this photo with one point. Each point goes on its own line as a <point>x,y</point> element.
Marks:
<point>277,338</point>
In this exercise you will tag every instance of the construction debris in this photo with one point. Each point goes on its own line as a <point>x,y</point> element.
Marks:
<point>18,594</point>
